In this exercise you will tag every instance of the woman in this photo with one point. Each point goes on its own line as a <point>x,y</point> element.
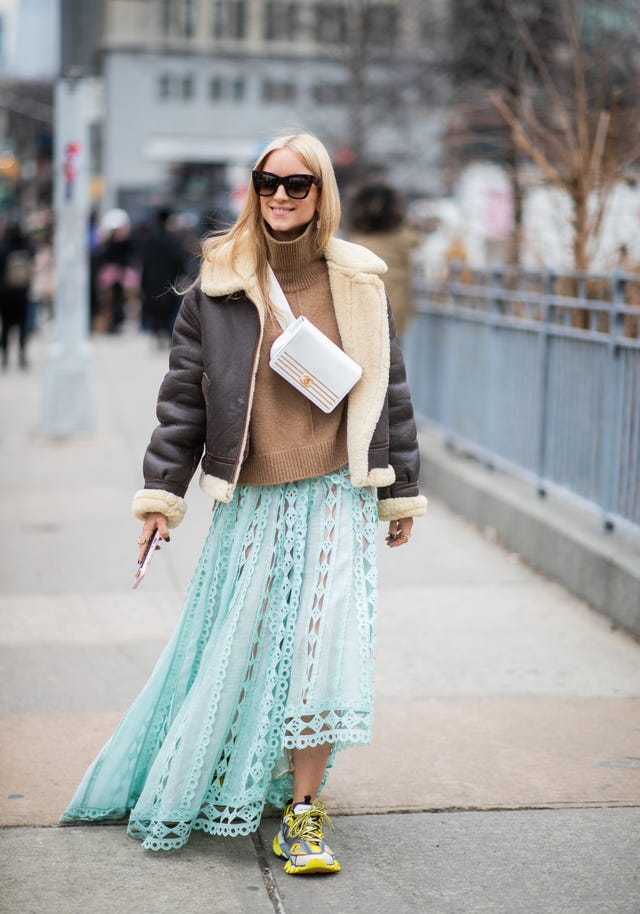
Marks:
<point>269,671</point>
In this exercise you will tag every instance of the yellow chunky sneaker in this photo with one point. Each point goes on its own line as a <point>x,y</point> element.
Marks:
<point>301,842</point>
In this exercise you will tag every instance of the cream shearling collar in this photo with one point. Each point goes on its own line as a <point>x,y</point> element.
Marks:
<point>231,271</point>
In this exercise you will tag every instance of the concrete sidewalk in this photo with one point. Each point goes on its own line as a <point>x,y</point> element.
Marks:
<point>505,771</point>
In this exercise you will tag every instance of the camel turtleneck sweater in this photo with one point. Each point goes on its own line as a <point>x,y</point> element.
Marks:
<point>289,437</point>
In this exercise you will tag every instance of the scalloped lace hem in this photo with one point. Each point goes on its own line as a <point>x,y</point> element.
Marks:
<point>84,814</point>
<point>224,820</point>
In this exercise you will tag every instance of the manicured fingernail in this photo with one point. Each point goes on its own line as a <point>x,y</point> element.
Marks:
<point>167,538</point>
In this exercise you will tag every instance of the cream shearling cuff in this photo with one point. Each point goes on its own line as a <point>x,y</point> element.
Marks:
<point>217,488</point>
<point>148,501</point>
<point>397,508</point>
<point>379,478</point>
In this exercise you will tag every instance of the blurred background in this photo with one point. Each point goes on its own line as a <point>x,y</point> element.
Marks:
<point>498,120</point>
<point>489,150</point>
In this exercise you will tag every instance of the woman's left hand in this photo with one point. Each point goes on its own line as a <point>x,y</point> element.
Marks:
<point>399,531</point>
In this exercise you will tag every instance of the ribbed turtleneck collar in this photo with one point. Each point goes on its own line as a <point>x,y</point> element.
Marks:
<point>297,264</point>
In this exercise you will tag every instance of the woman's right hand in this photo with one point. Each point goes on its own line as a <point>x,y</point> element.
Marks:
<point>152,522</point>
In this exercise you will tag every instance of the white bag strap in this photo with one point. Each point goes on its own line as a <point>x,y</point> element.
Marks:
<point>284,314</point>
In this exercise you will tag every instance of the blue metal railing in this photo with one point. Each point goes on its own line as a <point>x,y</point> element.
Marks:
<point>537,372</point>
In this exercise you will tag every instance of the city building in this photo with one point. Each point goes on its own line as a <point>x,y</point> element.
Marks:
<point>194,88</point>
<point>28,39</point>
<point>28,66</point>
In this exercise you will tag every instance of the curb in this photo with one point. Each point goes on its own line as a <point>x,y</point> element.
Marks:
<point>554,535</point>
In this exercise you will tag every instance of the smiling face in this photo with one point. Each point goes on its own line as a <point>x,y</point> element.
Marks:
<point>287,218</point>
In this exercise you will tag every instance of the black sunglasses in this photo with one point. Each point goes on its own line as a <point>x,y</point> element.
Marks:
<point>297,187</point>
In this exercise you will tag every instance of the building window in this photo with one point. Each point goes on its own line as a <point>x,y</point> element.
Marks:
<point>229,19</point>
<point>177,18</point>
<point>172,86</point>
<point>278,92</point>
<point>330,23</point>
<point>385,96</point>
<point>187,87</point>
<point>189,18</point>
<point>280,21</point>
<point>221,89</point>
<point>164,86</point>
<point>329,94</point>
<point>165,17</point>
<point>381,24</point>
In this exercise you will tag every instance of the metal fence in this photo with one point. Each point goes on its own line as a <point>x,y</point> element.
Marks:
<point>537,372</point>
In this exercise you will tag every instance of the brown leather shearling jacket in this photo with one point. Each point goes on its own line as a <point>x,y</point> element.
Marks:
<point>204,403</point>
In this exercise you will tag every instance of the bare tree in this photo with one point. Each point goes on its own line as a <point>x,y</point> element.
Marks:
<point>486,54</point>
<point>576,114</point>
<point>389,68</point>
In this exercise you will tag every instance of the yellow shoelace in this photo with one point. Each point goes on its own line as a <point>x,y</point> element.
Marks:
<point>308,824</point>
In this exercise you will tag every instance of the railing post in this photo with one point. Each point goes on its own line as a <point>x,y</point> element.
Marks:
<point>612,406</point>
<point>545,356</point>
<point>492,413</point>
<point>454,279</point>
<point>448,385</point>
<point>497,287</point>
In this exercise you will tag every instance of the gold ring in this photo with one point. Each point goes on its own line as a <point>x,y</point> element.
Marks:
<point>142,540</point>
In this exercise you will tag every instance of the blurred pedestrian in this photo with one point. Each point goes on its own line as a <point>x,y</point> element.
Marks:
<point>627,264</point>
<point>164,266</point>
<point>378,221</point>
<point>42,289</point>
<point>269,672</point>
<point>16,273</point>
<point>116,271</point>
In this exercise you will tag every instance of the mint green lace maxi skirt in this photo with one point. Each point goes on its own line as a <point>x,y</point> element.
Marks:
<point>273,651</point>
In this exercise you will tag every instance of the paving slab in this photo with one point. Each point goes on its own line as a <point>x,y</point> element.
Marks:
<point>559,534</point>
<point>493,754</point>
<point>42,759</point>
<point>98,869</point>
<point>526,862</point>
<point>536,862</point>
<point>527,639</point>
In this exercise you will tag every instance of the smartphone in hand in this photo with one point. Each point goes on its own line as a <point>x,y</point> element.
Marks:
<point>146,558</point>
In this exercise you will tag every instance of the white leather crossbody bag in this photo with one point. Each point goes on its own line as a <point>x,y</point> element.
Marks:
<point>308,359</point>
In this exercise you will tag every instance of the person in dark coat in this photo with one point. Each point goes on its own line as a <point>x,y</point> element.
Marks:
<point>379,223</point>
<point>16,271</point>
<point>164,263</point>
<point>116,272</point>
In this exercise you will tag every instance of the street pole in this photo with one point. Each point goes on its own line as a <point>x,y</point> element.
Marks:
<point>69,400</point>
<point>69,403</point>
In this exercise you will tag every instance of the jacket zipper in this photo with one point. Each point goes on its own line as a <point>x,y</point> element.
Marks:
<point>252,387</point>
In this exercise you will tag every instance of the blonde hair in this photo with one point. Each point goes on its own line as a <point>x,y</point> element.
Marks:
<point>249,223</point>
